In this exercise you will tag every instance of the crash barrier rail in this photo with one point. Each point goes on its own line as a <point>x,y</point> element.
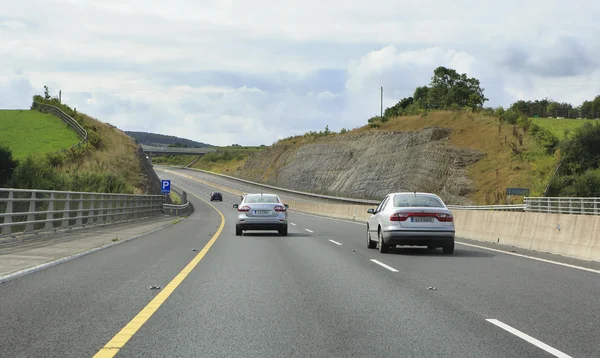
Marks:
<point>72,123</point>
<point>519,207</point>
<point>558,205</point>
<point>28,211</point>
<point>185,208</point>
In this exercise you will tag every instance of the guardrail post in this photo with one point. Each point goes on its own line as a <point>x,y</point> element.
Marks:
<point>67,214</point>
<point>570,206</point>
<point>124,208</point>
<point>92,210</point>
<point>50,224</point>
<point>31,216</point>
<point>101,212</point>
<point>79,221</point>
<point>595,206</point>
<point>7,230</point>
<point>582,207</point>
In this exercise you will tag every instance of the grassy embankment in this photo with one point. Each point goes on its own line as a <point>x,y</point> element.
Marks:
<point>106,163</point>
<point>28,132</point>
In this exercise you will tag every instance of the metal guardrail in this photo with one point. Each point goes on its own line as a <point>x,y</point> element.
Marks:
<point>182,209</point>
<point>46,108</point>
<point>519,207</point>
<point>28,211</point>
<point>559,205</point>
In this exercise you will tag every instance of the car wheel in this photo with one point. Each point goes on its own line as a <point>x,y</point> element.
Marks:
<point>383,248</point>
<point>238,231</point>
<point>448,248</point>
<point>370,243</point>
<point>284,231</point>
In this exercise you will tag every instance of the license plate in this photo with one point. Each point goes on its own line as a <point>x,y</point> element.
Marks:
<point>261,212</point>
<point>421,219</point>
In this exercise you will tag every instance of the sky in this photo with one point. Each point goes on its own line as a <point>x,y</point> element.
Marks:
<point>253,72</point>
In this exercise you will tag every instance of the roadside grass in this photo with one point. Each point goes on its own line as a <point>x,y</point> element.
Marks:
<point>31,132</point>
<point>116,155</point>
<point>223,162</point>
<point>173,159</point>
<point>561,126</point>
<point>175,197</point>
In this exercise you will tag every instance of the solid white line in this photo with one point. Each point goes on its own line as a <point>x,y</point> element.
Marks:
<point>384,265</point>
<point>531,257</point>
<point>335,242</point>
<point>535,342</point>
<point>293,224</point>
<point>309,230</point>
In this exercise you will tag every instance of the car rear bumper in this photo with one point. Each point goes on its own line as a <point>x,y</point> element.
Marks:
<point>417,238</point>
<point>261,226</point>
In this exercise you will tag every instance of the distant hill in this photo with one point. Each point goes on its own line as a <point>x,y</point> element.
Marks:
<point>162,140</point>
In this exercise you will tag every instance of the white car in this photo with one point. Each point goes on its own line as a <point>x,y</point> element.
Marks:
<point>261,212</point>
<point>412,219</point>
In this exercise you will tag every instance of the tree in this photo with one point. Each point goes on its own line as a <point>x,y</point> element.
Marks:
<point>448,88</point>
<point>581,152</point>
<point>7,164</point>
<point>47,93</point>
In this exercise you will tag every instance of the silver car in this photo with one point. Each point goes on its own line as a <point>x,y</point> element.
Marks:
<point>413,219</point>
<point>261,212</point>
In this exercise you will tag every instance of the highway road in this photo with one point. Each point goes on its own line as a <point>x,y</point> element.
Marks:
<point>317,292</point>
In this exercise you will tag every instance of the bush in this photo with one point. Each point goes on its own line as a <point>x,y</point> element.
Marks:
<point>7,164</point>
<point>36,172</point>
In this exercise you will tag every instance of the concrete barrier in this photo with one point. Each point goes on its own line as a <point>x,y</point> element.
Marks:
<point>576,236</point>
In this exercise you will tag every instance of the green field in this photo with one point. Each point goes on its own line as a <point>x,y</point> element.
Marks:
<point>26,132</point>
<point>559,126</point>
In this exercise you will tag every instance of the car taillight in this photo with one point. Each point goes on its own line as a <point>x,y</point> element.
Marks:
<point>445,217</point>
<point>244,208</point>
<point>280,208</point>
<point>399,217</point>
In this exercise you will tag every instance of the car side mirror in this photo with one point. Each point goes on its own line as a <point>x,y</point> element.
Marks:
<point>286,206</point>
<point>371,211</point>
<point>235,206</point>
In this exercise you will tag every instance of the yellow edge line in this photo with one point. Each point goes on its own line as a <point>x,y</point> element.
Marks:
<point>120,339</point>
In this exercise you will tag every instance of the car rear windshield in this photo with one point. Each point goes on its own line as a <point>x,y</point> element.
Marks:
<point>265,198</point>
<point>412,200</point>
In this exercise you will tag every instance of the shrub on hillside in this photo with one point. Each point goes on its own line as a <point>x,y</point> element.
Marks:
<point>37,172</point>
<point>7,164</point>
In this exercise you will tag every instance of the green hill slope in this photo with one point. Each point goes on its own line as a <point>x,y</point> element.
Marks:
<point>28,132</point>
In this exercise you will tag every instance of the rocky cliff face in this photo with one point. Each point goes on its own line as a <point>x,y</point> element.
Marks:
<point>369,165</point>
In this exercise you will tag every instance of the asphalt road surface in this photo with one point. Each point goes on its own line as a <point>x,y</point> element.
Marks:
<point>317,292</point>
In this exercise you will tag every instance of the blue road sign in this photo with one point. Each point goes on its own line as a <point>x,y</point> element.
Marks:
<point>165,186</point>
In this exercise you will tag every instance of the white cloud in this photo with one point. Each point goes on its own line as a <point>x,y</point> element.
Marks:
<point>253,72</point>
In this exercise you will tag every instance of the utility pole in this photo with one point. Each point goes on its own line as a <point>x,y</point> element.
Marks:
<point>381,116</point>
<point>59,96</point>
